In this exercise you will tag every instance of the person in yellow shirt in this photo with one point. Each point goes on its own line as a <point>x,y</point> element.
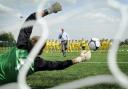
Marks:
<point>72,45</point>
<point>108,44</point>
<point>53,45</point>
<point>46,49</point>
<point>83,44</point>
<point>50,46</point>
<point>56,45</point>
<point>104,44</point>
<point>69,46</point>
<point>77,45</point>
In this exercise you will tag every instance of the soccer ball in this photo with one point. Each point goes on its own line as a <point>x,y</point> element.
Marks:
<point>94,44</point>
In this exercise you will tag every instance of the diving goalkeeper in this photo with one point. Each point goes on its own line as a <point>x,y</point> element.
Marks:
<point>10,68</point>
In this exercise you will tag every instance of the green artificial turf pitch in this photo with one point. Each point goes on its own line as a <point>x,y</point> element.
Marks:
<point>48,79</point>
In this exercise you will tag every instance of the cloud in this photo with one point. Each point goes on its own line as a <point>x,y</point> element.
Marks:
<point>72,1</point>
<point>94,17</point>
<point>99,15</point>
<point>5,9</point>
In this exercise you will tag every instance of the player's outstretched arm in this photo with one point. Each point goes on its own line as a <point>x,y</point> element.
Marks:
<point>23,41</point>
<point>41,64</point>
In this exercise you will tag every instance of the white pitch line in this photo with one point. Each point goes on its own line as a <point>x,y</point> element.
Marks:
<point>104,62</point>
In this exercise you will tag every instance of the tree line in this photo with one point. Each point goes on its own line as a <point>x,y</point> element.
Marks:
<point>7,39</point>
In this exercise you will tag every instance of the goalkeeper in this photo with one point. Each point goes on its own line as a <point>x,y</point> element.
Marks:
<point>10,68</point>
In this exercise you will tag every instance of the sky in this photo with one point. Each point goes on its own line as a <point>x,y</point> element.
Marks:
<point>79,18</point>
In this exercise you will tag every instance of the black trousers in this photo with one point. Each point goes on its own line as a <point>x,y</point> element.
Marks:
<point>64,45</point>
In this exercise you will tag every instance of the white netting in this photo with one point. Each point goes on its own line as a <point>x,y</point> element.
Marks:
<point>116,77</point>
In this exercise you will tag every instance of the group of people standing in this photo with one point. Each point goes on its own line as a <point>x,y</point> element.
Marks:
<point>64,44</point>
<point>53,45</point>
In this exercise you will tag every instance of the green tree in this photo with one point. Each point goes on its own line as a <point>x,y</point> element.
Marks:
<point>7,39</point>
<point>126,41</point>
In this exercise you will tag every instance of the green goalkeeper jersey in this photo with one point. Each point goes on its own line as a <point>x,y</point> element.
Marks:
<point>10,64</point>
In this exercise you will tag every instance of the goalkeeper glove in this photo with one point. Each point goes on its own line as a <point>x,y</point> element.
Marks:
<point>84,56</point>
<point>54,8</point>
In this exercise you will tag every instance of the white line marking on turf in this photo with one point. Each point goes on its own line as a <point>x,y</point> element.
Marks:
<point>105,62</point>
